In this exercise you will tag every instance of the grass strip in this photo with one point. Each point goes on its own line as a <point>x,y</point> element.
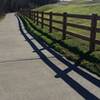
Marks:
<point>90,62</point>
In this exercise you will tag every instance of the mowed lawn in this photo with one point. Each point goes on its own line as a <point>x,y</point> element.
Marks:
<point>75,47</point>
<point>80,8</point>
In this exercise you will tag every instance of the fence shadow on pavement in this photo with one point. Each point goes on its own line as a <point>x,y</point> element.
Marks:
<point>62,73</point>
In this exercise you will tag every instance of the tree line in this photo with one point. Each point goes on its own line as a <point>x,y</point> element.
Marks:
<point>13,5</point>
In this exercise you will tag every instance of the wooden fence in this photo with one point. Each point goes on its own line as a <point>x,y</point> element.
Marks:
<point>39,17</point>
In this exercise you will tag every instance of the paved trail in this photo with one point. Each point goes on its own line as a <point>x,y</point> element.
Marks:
<point>25,76</point>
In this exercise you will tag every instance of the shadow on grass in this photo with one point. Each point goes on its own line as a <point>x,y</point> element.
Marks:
<point>77,62</point>
<point>60,73</point>
<point>2,16</point>
<point>75,54</point>
<point>72,49</point>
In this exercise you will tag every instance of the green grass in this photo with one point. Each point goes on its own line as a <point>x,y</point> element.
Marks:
<point>46,7</point>
<point>82,8</point>
<point>77,7</point>
<point>2,16</point>
<point>72,48</point>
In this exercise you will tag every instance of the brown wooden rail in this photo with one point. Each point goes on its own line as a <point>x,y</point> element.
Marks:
<point>39,17</point>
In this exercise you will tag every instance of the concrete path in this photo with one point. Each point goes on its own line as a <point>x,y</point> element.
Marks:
<point>28,73</point>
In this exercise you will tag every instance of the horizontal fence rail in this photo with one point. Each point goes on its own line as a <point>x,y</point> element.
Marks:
<point>39,18</point>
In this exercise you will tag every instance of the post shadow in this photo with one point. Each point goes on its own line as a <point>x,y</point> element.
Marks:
<point>71,66</point>
<point>75,85</point>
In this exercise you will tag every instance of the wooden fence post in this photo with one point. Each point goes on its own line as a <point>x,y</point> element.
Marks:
<point>37,17</point>
<point>64,26</point>
<point>93,32</point>
<point>30,14</point>
<point>34,16</point>
<point>50,22</point>
<point>26,13</point>
<point>42,20</point>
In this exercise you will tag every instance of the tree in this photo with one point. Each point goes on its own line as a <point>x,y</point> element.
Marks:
<point>13,5</point>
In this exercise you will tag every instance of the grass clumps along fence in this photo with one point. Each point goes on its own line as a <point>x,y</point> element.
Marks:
<point>90,62</point>
<point>72,48</point>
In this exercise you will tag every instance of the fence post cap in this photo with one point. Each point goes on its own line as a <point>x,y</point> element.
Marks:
<point>50,12</point>
<point>94,14</point>
<point>65,13</point>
